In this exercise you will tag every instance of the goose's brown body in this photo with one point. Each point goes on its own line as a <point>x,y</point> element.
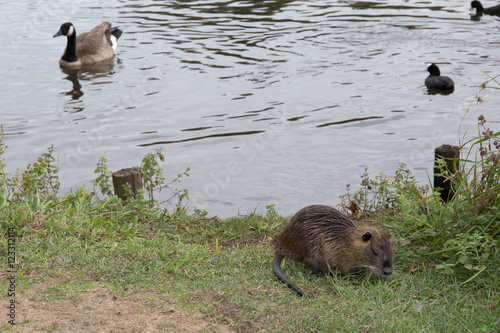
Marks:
<point>88,47</point>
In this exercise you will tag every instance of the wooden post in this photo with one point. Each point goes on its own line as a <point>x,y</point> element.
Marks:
<point>129,177</point>
<point>450,154</point>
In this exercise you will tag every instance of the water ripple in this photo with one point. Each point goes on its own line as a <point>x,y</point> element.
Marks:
<point>279,88</point>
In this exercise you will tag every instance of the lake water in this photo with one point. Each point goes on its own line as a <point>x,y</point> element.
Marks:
<point>267,102</point>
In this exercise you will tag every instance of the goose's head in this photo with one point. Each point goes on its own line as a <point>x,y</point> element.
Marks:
<point>67,29</point>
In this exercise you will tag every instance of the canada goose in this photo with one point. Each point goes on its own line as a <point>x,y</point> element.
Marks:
<point>89,47</point>
<point>495,10</point>
<point>436,81</point>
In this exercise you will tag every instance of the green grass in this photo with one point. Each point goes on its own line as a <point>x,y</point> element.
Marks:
<point>222,268</point>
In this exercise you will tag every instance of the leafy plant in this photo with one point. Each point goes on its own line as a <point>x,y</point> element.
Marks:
<point>42,175</point>
<point>472,250</point>
<point>381,193</point>
<point>3,174</point>
<point>153,179</point>
<point>180,194</point>
<point>479,182</point>
<point>103,179</point>
<point>152,172</point>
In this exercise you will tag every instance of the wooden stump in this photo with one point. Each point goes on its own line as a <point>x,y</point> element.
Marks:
<point>450,154</point>
<point>130,178</point>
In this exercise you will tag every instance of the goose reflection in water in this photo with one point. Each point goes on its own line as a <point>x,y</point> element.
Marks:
<point>88,73</point>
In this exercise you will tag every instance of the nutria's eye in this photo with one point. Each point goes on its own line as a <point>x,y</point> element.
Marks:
<point>367,236</point>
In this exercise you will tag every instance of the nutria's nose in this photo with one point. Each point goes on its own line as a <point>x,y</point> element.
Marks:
<point>387,271</point>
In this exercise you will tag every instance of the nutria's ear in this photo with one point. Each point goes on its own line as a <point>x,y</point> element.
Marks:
<point>367,236</point>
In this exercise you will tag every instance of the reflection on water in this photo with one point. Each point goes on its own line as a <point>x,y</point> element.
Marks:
<point>87,73</point>
<point>76,91</point>
<point>348,121</point>
<point>301,96</point>
<point>234,7</point>
<point>431,91</point>
<point>203,137</point>
<point>94,73</point>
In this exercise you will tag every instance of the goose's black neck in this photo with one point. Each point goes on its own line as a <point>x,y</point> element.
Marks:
<point>70,53</point>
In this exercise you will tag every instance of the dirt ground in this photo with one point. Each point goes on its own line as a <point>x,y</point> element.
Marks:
<point>98,310</point>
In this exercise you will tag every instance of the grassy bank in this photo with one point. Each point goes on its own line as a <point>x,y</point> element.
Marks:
<point>222,268</point>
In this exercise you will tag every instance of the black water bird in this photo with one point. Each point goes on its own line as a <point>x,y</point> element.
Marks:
<point>437,82</point>
<point>495,10</point>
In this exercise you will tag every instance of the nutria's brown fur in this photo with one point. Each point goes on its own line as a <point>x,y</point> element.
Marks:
<point>322,238</point>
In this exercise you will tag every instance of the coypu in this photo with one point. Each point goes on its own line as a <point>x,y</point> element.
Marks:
<point>322,238</point>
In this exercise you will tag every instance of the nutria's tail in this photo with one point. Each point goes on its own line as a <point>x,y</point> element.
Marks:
<point>281,276</point>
